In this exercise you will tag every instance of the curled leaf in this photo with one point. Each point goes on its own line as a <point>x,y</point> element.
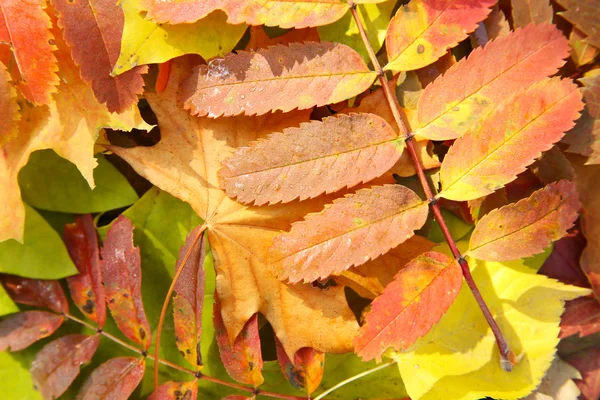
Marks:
<point>18,331</point>
<point>36,292</point>
<point>117,378</point>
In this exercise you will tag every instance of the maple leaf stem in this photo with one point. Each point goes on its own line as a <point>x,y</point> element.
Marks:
<point>169,364</point>
<point>506,356</point>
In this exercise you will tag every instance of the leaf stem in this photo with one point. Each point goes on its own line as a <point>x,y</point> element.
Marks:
<point>178,367</point>
<point>506,355</point>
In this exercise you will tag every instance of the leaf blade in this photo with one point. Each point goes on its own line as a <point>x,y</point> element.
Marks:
<point>315,158</point>
<point>186,390</point>
<point>306,371</point>
<point>36,292</point>
<point>117,378</point>
<point>20,330</point>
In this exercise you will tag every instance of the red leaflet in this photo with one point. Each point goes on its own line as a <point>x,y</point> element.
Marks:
<point>186,390</point>
<point>93,29</point>
<point>116,379</point>
<point>122,277</point>
<point>306,372</point>
<point>243,361</point>
<point>57,365</point>
<point>409,306</point>
<point>36,292</point>
<point>18,331</point>
<point>25,27</point>
<point>563,262</point>
<point>588,364</point>
<point>581,316</point>
<point>86,287</point>
<point>187,304</point>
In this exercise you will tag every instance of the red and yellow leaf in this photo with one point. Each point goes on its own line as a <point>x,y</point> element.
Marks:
<point>277,78</point>
<point>525,12</point>
<point>57,365</point>
<point>409,306</point>
<point>242,358</point>
<point>349,232</point>
<point>183,390</point>
<point>8,104</point>
<point>585,15</point>
<point>93,29</point>
<point>187,304</point>
<point>452,104</point>
<point>315,158</point>
<point>36,292</point>
<point>86,287</point>
<point>527,227</point>
<point>509,139</point>
<point>306,372</point>
<point>283,13</point>
<point>18,331</point>
<point>423,30</point>
<point>117,378</point>
<point>581,316</point>
<point>25,27</point>
<point>122,278</point>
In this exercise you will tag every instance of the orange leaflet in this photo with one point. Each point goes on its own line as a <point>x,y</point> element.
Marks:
<point>351,231</point>
<point>452,105</point>
<point>36,292</point>
<point>423,30</point>
<point>525,12</point>
<point>186,390</point>
<point>57,365</point>
<point>283,13</point>
<point>25,27</point>
<point>242,360</point>
<point>581,316</point>
<point>306,372</point>
<point>276,78</point>
<point>122,278</point>
<point>315,158</point>
<point>8,106</point>
<point>260,39</point>
<point>585,15</point>
<point>187,304</point>
<point>115,379</point>
<point>93,29</point>
<point>18,331</point>
<point>509,139</point>
<point>525,228</point>
<point>409,306</point>
<point>86,287</point>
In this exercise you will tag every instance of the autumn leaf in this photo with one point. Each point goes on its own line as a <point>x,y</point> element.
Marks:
<point>588,364</point>
<point>19,331</point>
<point>57,365</point>
<point>86,287</point>
<point>582,52</point>
<point>306,371</point>
<point>525,228</point>
<point>188,303</point>
<point>24,26</point>
<point>493,27</point>
<point>9,107</point>
<point>423,30</point>
<point>451,105</point>
<point>242,359</point>
<point>410,305</point>
<point>122,278</point>
<point>277,78</point>
<point>147,42</point>
<point>531,122</point>
<point>525,12</point>
<point>480,207</point>
<point>185,390</point>
<point>349,232</point>
<point>117,378</point>
<point>93,29</point>
<point>558,383</point>
<point>584,14</point>
<point>185,163</point>
<point>315,158</point>
<point>259,38</point>
<point>36,292</point>
<point>563,263</point>
<point>582,316</point>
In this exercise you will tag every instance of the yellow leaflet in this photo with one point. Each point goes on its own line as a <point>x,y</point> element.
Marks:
<point>146,42</point>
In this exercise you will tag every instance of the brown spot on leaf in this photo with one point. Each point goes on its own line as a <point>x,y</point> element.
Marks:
<point>420,49</point>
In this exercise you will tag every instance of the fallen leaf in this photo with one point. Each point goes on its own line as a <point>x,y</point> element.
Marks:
<point>493,27</point>
<point>563,262</point>
<point>19,331</point>
<point>57,365</point>
<point>525,12</point>
<point>36,292</point>
<point>553,166</point>
<point>585,15</point>
<point>582,316</point>
<point>588,364</point>
<point>260,39</point>
<point>277,78</point>
<point>480,207</point>
<point>117,378</point>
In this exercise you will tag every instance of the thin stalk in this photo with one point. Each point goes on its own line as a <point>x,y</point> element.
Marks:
<point>188,371</point>
<point>353,378</point>
<point>506,356</point>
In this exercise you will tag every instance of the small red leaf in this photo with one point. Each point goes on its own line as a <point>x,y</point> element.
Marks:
<point>243,361</point>
<point>563,262</point>
<point>86,287</point>
<point>187,305</point>
<point>588,364</point>
<point>306,372</point>
<point>57,365</point>
<point>581,316</point>
<point>115,379</point>
<point>36,292</point>
<point>18,331</point>
<point>122,278</point>
<point>186,390</point>
<point>410,305</point>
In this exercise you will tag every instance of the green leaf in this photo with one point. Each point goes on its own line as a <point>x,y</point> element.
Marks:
<point>42,255</point>
<point>52,183</point>
<point>7,306</point>
<point>375,17</point>
<point>15,377</point>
